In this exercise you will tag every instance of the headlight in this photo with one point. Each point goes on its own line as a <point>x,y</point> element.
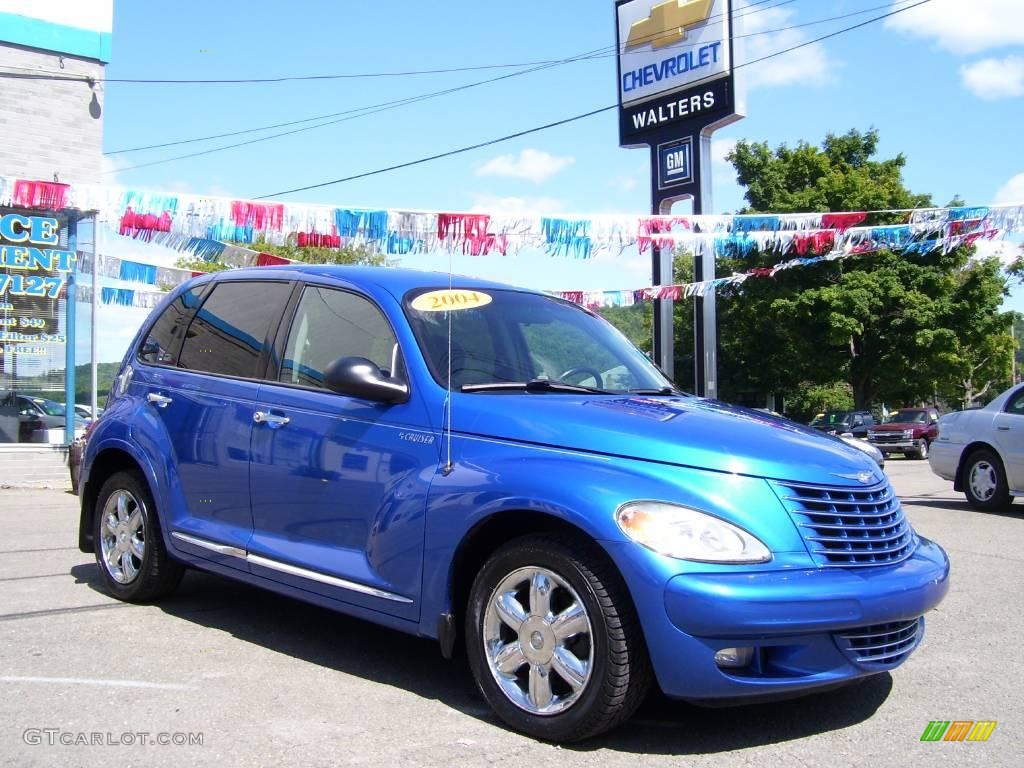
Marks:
<point>687,534</point>
<point>908,433</point>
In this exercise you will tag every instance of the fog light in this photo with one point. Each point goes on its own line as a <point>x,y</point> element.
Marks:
<point>732,658</point>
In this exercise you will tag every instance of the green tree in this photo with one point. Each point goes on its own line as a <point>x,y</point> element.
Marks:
<point>349,254</point>
<point>634,322</point>
<point>895,327</point>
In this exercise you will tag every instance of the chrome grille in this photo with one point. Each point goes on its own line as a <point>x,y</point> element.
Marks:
<point>888,437</point>
<point>883,645</point>
<point>848,526</point>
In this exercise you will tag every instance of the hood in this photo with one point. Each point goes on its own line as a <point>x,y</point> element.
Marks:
<point>691,432</point>
<point>894,426</point>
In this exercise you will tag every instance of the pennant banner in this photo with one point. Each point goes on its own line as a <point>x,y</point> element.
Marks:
<point>220,229</point>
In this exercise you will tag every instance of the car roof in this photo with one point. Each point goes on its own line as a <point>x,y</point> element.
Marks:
<point>394,280</point>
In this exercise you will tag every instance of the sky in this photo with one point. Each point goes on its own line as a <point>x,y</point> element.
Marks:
<point>943,84</point>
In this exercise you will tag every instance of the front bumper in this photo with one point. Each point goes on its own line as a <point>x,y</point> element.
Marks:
<point>795,620</point>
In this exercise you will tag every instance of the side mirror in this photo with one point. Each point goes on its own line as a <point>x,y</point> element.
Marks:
<point>359,377</point>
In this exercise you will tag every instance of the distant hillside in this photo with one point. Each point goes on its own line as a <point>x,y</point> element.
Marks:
<point>105,373</point>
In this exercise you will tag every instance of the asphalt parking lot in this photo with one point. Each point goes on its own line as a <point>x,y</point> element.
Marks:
<point>263,680</point>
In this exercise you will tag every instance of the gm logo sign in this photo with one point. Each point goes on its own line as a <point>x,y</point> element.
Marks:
<point>675,163</point>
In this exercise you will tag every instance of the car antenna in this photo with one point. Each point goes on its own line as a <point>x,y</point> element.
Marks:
<point>446,429</point>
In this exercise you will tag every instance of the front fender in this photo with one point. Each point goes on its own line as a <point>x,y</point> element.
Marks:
<point>582,490</point>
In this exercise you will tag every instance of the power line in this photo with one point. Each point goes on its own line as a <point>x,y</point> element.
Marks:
<point>362,112</point>
<point>374,108</point>
<point>56,75</point>
<point>570,119</point>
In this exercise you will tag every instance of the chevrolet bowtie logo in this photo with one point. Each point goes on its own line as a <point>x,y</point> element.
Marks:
<point>668,23</point>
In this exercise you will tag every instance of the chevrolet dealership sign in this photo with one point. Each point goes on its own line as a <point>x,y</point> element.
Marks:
<point>665,46</point>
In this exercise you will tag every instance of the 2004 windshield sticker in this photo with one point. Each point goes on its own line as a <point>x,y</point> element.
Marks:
<point>450,299</point>
<point>15,231</point>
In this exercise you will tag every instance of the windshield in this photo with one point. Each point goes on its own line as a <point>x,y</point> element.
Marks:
<point>504,336</point>
<point>50,407</point>
<point>909,417</point>
<point>835,418</point>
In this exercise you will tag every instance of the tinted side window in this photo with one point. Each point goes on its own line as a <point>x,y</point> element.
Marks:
<point>165,335</point>
<point>330,324</point>
<point>229,332</point>
<point>1016,403</point>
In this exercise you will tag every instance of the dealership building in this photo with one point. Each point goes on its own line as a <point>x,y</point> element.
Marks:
<point>52,60</point>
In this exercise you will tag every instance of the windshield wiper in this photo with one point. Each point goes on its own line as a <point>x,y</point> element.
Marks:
<point>654,391</point>
<point>533,385</point>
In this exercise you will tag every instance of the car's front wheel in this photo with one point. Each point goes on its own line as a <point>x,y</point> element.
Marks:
<point>922,449</point>
<point>130,552</point>
<point>985,481</point>
<point>553,640</point>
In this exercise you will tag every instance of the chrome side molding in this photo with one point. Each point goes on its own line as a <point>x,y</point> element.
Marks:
<point>292,570</point>
<point>220,549</point>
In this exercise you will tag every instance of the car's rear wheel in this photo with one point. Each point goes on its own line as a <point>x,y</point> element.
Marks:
<point>130,552</point>
<point>553,640</point>
<point>985,481</point>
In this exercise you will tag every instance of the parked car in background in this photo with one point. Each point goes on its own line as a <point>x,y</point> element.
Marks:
<point>468,461</point>
<point>982,451</point>
<point>84,412</point>
<point>855,423</point>
<point>910,432</point>
<point>49,415</point>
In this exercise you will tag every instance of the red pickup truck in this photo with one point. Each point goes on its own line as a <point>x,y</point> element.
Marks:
<point>910,432</point>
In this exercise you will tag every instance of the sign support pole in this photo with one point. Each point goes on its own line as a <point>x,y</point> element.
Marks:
<point>705,314</point>
<point>70,307</point>
<point>662,270</point>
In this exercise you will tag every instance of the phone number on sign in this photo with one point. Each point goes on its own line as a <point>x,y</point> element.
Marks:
<point>31,285</point>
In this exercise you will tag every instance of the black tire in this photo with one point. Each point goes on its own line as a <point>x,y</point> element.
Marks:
<point>922,449</point>
<point>985,481</point>
<point>155,573</point>
<point>620,671</point>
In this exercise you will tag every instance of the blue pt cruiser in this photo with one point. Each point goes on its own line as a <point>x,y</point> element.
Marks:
<point>502,471</point>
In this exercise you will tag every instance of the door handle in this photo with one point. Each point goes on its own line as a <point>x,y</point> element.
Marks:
<point>160,401</point>
<point>272,421</point>
<point>1003,428</point>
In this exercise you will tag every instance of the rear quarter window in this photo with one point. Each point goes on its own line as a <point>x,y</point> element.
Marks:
<point>229,333</point>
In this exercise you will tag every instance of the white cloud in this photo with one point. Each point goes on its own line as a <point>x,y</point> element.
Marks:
<point>1012,191</point>
<point>110,165</point>
<point>963,27</point>
<point>1003,249</point>
<point>808,65</point>
<point>533,164</point>
<point>995,78</point>
<point>494,204</point>
<point>719,149</point>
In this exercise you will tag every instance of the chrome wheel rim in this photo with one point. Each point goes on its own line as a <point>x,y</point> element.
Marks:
<point>122,536</point>
<point>983,480</point>
<point>538,641</point>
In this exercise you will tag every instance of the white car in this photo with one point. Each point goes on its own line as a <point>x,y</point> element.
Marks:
<point>982,451</point>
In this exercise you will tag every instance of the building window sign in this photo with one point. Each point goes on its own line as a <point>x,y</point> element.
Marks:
<point>666,46</point>
<point>675,163</point>
<point>33,275</point>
